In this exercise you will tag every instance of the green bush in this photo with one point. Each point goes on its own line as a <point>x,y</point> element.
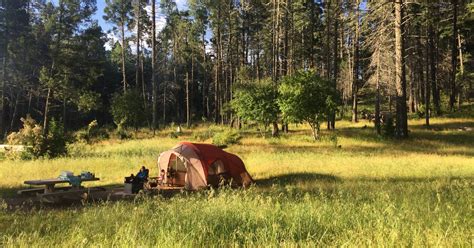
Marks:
<point>55,143</point>
<point>388,127</point>
<point>91,133</point>
<point>30,136</point>
<point>174,135</point>
<point>227,137</point>
<point>34,143</point>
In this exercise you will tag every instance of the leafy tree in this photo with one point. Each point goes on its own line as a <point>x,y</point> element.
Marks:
<point>127,109</point>
<point>256,102</point>
<point>306,97</point>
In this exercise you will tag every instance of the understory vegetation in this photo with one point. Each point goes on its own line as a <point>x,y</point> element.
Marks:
<point>352,187</point>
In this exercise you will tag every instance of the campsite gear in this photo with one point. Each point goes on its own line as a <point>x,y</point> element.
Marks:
<point>128,188</point>
<point>87,175</point>
<point>75,180</point>
<point>66,174</point>
<point>133,184</point>
<point>195,166</point>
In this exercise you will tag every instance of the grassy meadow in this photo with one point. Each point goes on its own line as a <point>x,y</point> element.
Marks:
<point>370,191</point>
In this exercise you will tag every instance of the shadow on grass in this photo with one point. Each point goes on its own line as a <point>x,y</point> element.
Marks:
<point>410,179</point>
<point>296,178</point>
<point>302,178</point>
<point>448,126</point>
<point>419,147</point>
<point>14,201</point>
<point>111,193</point>
<point>460,143</point>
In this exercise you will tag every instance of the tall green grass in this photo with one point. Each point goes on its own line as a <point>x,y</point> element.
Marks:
<point>360,213</point>
<point>369,192</point>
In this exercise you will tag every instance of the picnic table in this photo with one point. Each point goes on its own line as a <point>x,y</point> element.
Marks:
<point>50,189</point>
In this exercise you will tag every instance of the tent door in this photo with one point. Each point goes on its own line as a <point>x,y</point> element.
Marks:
<point>177,170</point>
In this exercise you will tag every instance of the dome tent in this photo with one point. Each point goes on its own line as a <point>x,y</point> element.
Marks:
<point>195,166</point>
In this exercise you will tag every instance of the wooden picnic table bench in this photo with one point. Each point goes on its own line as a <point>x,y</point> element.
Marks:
<point>50,190</point>
<point>51,182</point>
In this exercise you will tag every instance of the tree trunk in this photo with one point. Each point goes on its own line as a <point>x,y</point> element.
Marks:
<point>411,96</point>
<point>188,121</point>
<point>30,98</point>
<point>3,97</point>
<point>216,93</point>
<point>454,53</point>
<point>400,80</point>
<point>461,70</point>
<point>64,113</point>
<point>354,106</point>
<point>153,68</point>
<point>218,68</point>
<point>426,83</point>
<point>328,42</point>
<point>432,36</point>
<point>275,129</point>
<point>427,95</point>
<point>355,75</point>
<point>15,110</point>
<point>142,77</point>
<point>137,63</point>
<point>315,129</point>
<point>164,103</point>
<point>205,93</point>
<point>377,101</point>
<point>175,82</point>
<point>46,112</point>
<point>124,76</point>
<point>335,60</point>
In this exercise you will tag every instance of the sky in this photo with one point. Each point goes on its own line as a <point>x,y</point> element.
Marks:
<point>106,26</point>
<point>182,5</point>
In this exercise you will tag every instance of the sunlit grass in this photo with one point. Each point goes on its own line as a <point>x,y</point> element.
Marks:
<point>370,191</point>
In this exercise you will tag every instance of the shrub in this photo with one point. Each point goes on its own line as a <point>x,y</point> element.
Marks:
<point>55,143</point>
<point>30,136</point>
<point>35,143</point>
<point>388,127</point>
<point>227,137</point>
<point>334,140</point>
<point>174,135</point>
<point>91,132</point>
<point>121,131</point>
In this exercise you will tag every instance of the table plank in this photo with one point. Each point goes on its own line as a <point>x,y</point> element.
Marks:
<point>52,181</point>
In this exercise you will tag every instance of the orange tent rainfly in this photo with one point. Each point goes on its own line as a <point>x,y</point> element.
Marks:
<point>194,166</point>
